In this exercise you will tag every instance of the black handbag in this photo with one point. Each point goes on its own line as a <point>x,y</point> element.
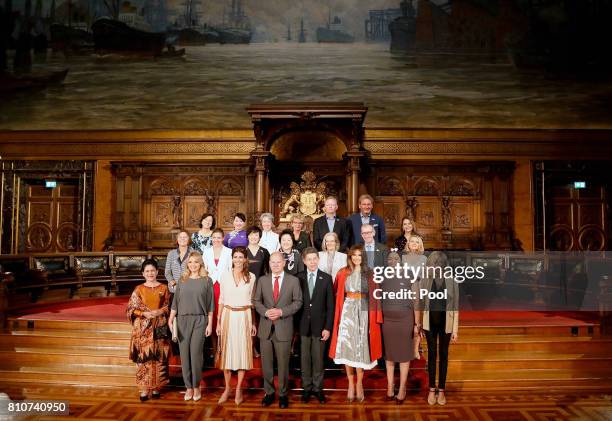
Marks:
<point>161,332</point>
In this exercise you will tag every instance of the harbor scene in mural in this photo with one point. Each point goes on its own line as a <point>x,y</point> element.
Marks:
<point>142,64</point>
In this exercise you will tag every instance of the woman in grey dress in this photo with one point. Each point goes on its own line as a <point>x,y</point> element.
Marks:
<point>193,308</point>
<point>399,330</point>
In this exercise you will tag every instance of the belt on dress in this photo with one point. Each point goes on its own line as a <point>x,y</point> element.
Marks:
<point>244,308</point>
<point>356,295</point>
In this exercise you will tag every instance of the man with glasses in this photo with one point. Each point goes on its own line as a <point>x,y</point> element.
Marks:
<point>376,253</point>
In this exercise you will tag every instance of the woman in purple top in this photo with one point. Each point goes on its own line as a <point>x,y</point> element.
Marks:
<point>238,236</point>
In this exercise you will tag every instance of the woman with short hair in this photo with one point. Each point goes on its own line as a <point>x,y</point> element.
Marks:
<point>330,259</point>
<point>237,237</point>
<point>269,239</point>
<point>201,239</point>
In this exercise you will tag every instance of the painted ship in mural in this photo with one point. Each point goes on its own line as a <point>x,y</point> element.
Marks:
<point>236,26</point>
<point>334,32</point>
<point>135,31</point>
<point>189,29</point>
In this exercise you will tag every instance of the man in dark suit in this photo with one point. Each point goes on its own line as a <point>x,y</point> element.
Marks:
<point>376,253</point>
<point>278,296</point>
<point>330,222</point>
<point>316,323</point>
<point>365,216</point>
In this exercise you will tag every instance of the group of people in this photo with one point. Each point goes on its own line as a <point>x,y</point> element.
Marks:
<point>258,283</point>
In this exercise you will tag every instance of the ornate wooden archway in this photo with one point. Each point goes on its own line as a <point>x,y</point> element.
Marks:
<point>343,120</point>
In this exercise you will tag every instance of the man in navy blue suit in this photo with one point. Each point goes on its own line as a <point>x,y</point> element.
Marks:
<point>365,216</point>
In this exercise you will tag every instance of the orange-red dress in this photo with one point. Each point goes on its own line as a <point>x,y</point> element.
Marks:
<point>148,346</point>
<point>374,315</point>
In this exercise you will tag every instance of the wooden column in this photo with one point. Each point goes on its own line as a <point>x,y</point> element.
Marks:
<point>261,168</point>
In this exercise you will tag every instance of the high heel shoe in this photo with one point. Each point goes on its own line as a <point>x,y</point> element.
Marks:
<point>238,399</point>
<point>431,398</point>
<point>360,397</point>
<point>399,401</point>
<point>188,395</point>
<point>223,397</point>
<point>350,395</point>
<point>198,396</point>
<point>441,397</point>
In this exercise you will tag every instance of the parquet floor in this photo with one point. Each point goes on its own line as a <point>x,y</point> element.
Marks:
<point>88,403</point>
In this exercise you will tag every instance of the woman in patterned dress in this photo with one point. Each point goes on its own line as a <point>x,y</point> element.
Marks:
<point>150,341</point>
<point>293,259</point>
<point>202,239</point>
<point>356,338</point>
<point>235,326</point>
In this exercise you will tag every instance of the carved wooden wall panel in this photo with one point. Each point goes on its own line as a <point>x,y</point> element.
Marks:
<point>454,206</point>
<point>161,199</point>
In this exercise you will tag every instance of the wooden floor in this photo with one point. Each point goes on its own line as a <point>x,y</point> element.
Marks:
<point>88,403</point>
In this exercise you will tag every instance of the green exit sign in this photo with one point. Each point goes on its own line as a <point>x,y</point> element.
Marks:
<point>580,184</point>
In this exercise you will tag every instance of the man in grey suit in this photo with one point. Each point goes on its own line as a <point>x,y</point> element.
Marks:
<point>376,253</point>
<point>278,296</point>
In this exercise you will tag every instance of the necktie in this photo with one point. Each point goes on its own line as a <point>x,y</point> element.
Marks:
<point>276,292</point>
<point>311,283</point>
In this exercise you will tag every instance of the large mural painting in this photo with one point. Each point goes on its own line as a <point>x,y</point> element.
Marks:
<point>144,64</point>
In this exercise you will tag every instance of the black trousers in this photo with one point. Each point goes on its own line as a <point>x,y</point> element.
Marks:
<point>435,336</point>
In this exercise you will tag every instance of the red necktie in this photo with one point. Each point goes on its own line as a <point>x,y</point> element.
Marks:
<point>276,289</point>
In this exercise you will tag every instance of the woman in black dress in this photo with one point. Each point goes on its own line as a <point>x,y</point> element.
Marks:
<point>257,255</point>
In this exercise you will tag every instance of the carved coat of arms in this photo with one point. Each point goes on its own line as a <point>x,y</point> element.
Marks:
<point>306,198</point>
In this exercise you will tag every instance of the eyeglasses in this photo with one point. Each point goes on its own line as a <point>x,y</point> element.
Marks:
<point>367,232</point>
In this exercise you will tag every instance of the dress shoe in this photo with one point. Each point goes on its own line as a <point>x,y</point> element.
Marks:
<point>144,398</point>
<point>155,394</point>
<point>305,396</point>
<point>321,397</point>
<point>267,400</point>
<point>283,402</point>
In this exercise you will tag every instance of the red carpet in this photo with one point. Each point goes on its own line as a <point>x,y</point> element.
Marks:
<point>112,309</point>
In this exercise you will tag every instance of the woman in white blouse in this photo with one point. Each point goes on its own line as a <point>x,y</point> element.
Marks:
<point>218,259</point>
<point>331,260</point>
<point>269,239</point>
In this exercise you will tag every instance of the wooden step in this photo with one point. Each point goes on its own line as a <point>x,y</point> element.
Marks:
<point>91,326</point>
<point>26,356</point>
<point>531,330</point>
<point>50,338</point>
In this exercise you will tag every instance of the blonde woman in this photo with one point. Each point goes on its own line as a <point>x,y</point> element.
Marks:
<point>193,307</point>
<point>269,239</point>
<point>440,323</point>
<point>235,326</point>
<point>301,239</point>
<point>330,259</point>
<point>415,258</point>
<point>408,229</point>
